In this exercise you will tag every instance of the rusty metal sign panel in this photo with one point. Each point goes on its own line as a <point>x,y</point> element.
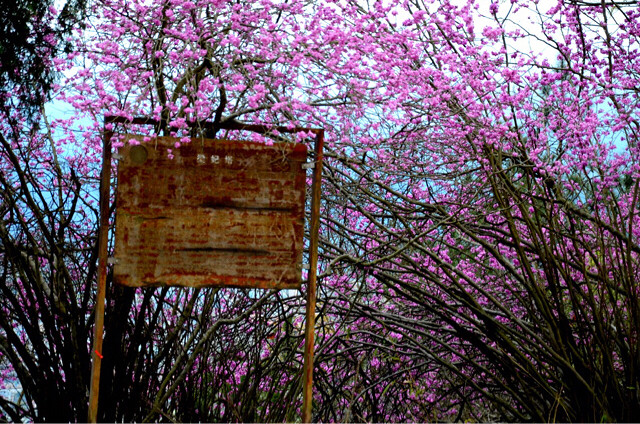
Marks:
<point>219,213</point>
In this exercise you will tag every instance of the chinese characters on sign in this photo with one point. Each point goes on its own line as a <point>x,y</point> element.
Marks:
<point>219,213</point>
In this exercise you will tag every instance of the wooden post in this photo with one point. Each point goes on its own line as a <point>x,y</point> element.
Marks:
<point>307,393</point>
<point>103,236</point>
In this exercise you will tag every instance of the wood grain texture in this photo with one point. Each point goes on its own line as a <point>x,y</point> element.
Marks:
<point>219,213</point>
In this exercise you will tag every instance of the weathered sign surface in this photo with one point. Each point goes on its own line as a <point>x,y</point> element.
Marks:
<point>219,213</point>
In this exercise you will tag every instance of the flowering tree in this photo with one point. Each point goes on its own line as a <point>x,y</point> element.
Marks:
<point>39,204</point>
<point>479,236</point>
<point>488,219</point>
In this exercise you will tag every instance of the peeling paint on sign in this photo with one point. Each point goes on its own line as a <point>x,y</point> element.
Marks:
<point>219,213</point>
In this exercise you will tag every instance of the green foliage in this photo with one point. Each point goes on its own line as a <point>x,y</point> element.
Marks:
<point>30,38</point>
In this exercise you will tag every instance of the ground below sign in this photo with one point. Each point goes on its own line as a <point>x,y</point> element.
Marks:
<point>219,213</point>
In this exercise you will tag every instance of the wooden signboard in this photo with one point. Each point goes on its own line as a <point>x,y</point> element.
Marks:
<point>219,213</point>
